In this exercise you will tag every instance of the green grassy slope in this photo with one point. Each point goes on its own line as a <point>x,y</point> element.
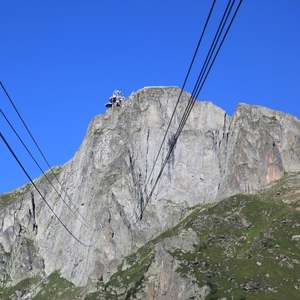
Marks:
<point>52,287</point>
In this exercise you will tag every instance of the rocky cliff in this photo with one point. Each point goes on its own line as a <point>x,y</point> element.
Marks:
<point>216,156</point>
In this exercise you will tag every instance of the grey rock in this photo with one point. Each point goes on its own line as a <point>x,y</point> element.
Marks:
<point>163,282</point>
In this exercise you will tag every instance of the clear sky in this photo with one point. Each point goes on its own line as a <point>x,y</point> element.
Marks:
<point>62,59</point>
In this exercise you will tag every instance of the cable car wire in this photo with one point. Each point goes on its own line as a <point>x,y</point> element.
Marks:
<point>34,140</point>
<point>181,90</point>
<point>83,220</point>
<point>39,192</point>
<point>197,89</point>
<point>198,85</point>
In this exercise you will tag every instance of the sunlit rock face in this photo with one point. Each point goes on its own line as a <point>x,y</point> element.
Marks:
<point>262,144</point>
<point>108,177</point>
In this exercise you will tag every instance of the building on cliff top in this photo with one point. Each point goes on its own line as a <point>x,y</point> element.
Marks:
<point>115,100</point>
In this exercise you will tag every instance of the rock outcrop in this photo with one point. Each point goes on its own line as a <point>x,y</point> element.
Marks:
<point>216,156</point>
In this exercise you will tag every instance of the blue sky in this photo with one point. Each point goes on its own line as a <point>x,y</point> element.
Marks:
<point>61,60</point>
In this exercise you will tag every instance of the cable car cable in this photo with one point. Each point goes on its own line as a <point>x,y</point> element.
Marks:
<point>36,188</point>
<point>181,125</point>
<point>182,89</point>
<point>40,168</point>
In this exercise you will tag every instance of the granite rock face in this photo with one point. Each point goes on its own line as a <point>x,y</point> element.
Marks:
<point>216,156</point>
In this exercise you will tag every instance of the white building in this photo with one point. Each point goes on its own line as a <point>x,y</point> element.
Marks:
<point>115,100</point>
